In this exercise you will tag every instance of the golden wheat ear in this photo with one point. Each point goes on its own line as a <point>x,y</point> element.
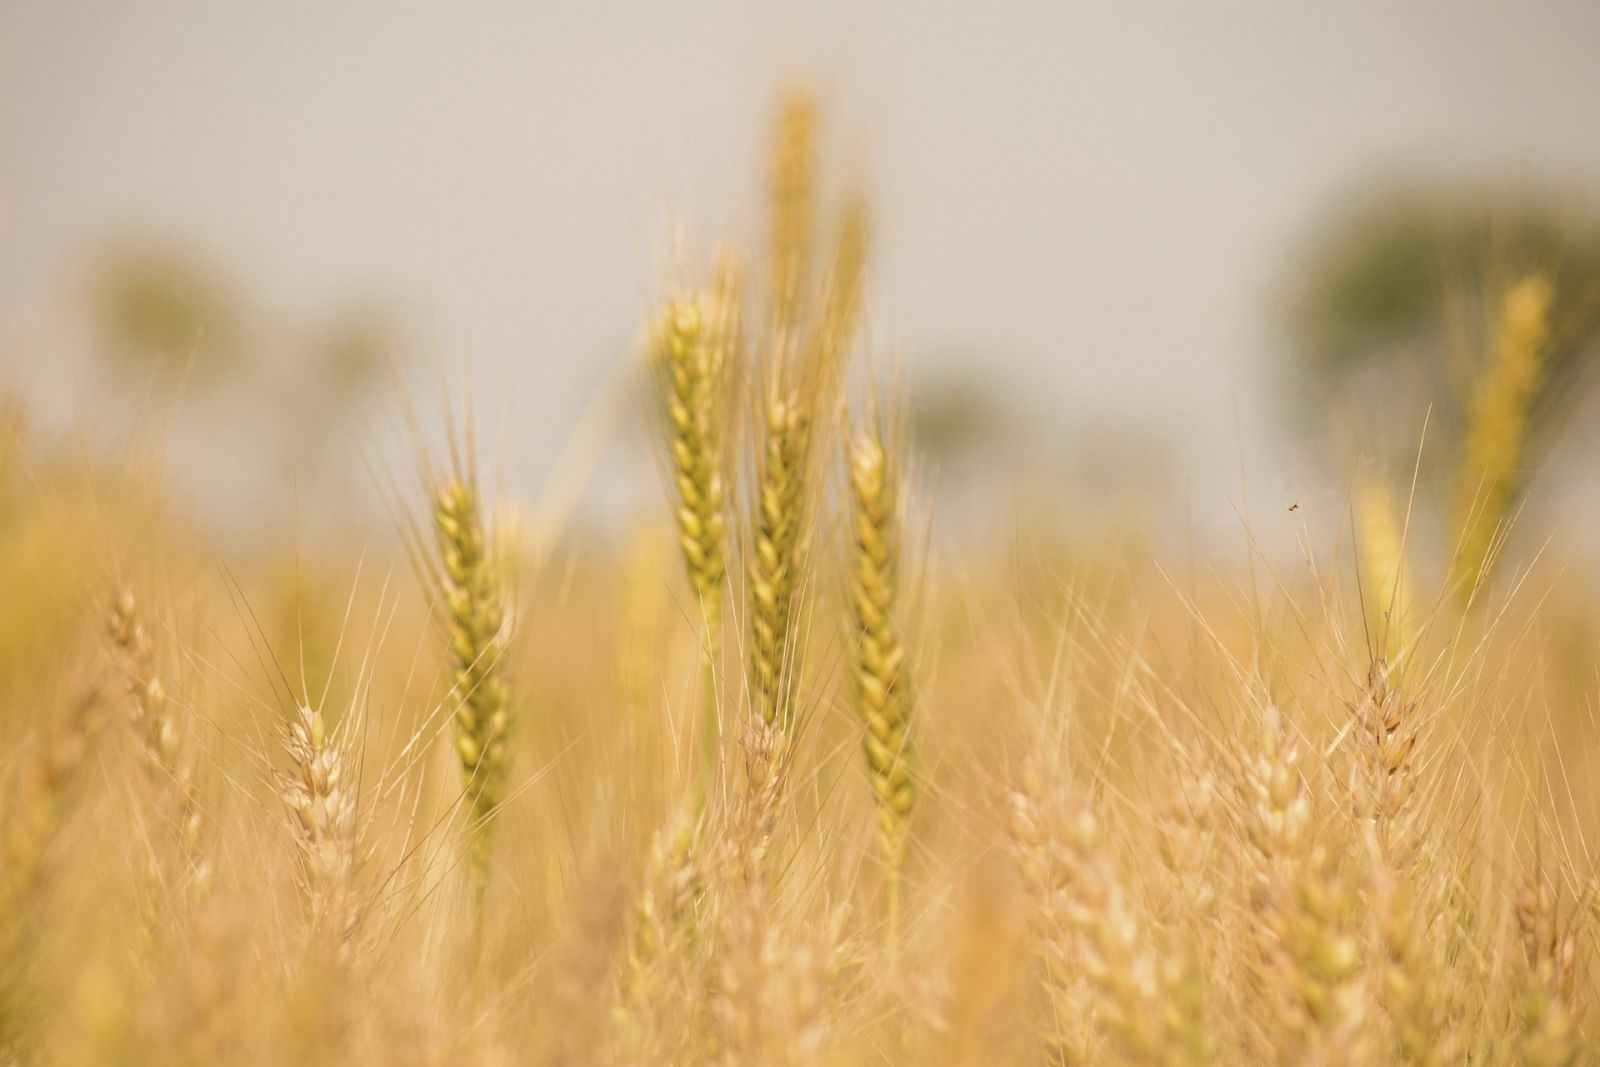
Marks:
<point>1549,1035</point>
<point>691,351</point>
<point>476,614</point>
<point>1497,430</point>
<point>791,211</point>
<point>1386,593</point>
<point>320,794</point>
<point>881,673</point>
<point>776,559</point>
<point>149,709</point>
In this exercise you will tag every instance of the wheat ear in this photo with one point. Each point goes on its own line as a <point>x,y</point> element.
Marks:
<point>791,208</point>
<point>152,719</point>
<point>691,354</point>
<point>841,298</point>
<point>475,612</point>
<point>320,794</point>
<point>775,562</point>
<point>1385,579</point>
<point>1305,907</point>
<point>28,828</point>
<point>1550,1036</point>
<point>883,694</point>
<point>1497,428</point>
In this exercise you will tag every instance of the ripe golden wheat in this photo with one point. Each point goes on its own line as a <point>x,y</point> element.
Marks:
<point>1112,811</point>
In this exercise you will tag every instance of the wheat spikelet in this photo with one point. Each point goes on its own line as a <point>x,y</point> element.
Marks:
<point>475,614</point>
<point>30,825</point>
<point>1187,846</point>
<point>320,794</point>
<point>641,617</point>
<point>1388,733</point>
<point>1407,984</point>
<point>35,817</point>
<point>657,978</point>
<point>792,208</point>
<point>691,354</point>
<point>883,693</point>
<point>1549,1026</point>
<point>775,560</point>
<point>1385,578</point>
<point>1150,1006</point>
<point>1307,910</point>
<point>1497,427</point>
<point>1067,1033</point>
<point>841,299</point>
<point>157,730</point>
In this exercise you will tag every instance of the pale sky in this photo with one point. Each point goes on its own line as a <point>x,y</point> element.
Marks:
<point>1092,203</point>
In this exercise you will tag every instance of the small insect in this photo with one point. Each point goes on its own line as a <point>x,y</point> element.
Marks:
<point>1295,506</point>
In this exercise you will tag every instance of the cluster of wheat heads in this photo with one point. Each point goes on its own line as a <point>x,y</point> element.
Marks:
<point>1036,803</point>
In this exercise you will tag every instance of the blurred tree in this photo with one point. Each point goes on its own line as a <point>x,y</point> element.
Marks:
<point>157,307</point>
<point>1394,310</point>
<point>954,418</point>
<point>1484,306</point>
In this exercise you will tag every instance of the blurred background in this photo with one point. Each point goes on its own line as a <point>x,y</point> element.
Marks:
<point>1125,255</point>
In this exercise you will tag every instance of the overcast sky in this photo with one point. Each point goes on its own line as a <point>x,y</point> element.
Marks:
<point>1092,203</point>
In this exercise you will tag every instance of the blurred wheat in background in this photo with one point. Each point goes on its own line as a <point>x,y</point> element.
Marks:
<point>777,776</point>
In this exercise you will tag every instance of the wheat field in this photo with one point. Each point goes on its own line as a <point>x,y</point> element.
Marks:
<point>779,777</point>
